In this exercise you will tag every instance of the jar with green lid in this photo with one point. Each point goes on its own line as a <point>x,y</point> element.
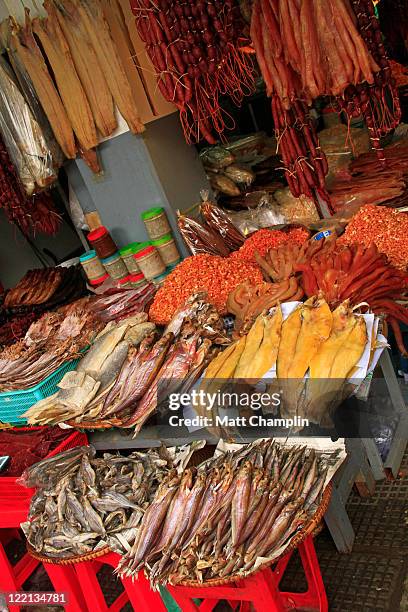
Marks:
<point>168,249</point>
<point>137,280</point>
<point>156,222</point>
<point>127,257</point>
<point>92,265</point>
<point>114,266</point>
<point>150,262</point>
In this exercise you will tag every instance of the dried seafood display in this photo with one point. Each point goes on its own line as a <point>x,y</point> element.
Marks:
<point>196,56</point>
<point>84,503</point>
<point>249,299</point>
<point>265,240</point>
<point>46,288</point>
<point>233,513</point>
<point>360,274</point>
<point>217,276</point>
<point>54,339</point>
<point>127,373</point>
<point>382,186</point>
<point>119,304</point>
<point>296,339</point>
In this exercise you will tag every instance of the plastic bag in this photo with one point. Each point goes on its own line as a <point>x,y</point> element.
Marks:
<point>49,471</point>
<point>341,145</point>
<point>23,136</point>
<point>240,174</point>
<point>266,214</point>
<point>220,222</point>
<point>295,210</point>
<point>76,212</point>
<point>216,157</point>
<point>200,238</point>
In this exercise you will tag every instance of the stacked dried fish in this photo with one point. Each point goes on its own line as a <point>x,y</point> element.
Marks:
<point>128,373</point>
<point>81,389</point>
<point>119,304</point>
<point>50,342</point>
<point>230,515</point>
<point>84,503</point>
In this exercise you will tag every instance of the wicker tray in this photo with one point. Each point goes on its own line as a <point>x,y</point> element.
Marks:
<point>70,560</point>
<point>312,528</point>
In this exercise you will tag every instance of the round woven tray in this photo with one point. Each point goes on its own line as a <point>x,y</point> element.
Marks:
<point>70,560</point>
<point>312,528</point>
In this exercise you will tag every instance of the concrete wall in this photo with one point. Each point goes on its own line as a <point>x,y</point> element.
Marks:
<point>156,169</point>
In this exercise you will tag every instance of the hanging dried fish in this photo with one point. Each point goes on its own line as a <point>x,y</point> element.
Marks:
<point>22,42</point>
<point>93,18</point>
<point>72,94</point>
<point>87,65</point>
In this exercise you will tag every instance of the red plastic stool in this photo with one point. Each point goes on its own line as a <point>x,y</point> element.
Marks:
<point>261,589</point>
<point>137,592</point>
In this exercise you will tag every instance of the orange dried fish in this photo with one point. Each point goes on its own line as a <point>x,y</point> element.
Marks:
<point>24,45</point>
<point>87,66</point>
<point>72,93</point>
<point>92,15</point>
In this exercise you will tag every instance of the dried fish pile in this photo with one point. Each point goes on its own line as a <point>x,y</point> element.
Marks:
<point>311,339</point>
<point>84,503</point>
<point>127,374</point>
<point>228,516</point>
<point>49,342</point>
<point>118,304</point>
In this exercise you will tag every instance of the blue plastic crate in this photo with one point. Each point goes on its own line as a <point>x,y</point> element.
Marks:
<point>15,403</point>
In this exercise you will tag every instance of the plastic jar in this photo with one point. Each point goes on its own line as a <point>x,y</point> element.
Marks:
<point>98,281</point>
<point>168,249</point>
<point>102,242</point>
<point>92,265</point>
<point>137,280</point>
<point>127,256</point>
<point>115,267</point>
<point>150,262</point>
<point>156,222</point>
<point>124,282</point>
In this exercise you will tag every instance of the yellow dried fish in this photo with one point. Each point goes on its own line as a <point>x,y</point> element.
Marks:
<point>290,331</point>
<point>215,365</point>
<point>317,321</point>
<point>351,351</point>
<point>227,370</point>
<point>92,15</point>
<point>87,66</point>
<point>253,342</point>
<point>267,354</point>
<point>24,45</point>
<point>69,86</point>
<point>343,323</point>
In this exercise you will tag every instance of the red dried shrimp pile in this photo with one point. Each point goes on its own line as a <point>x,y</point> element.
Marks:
<point>264,240</point>
<point>194,50</point>
<point>31,214</point>
<point>311,48</point>
<point>216,275</point>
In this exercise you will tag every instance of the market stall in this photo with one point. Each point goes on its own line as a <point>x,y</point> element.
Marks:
<point>191,421</point>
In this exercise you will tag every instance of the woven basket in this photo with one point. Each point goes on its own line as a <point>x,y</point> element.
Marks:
<point>70,560</point>
<point>312,528</point>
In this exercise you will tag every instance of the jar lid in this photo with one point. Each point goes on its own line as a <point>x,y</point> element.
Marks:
<point>108,260</point>
<point>97,233</point>
<point>125,279</point>
<point>162,240</point>
<point>152,212</point>
<point>143,252</point>
<point>99,281</point>
<point>129,249</point>
<point>87,255</point>
<point>134,278</point>
<point>141,245</point>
